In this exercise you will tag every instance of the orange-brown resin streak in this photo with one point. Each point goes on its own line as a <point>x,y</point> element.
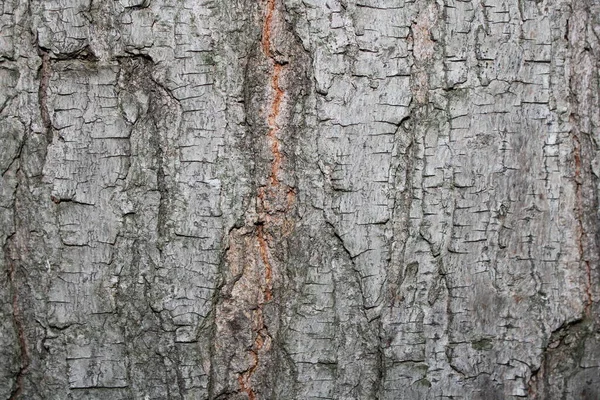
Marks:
<point>270,216</point>
<point>259,343</point>
<point>266,38</point>
<point>244,379</point>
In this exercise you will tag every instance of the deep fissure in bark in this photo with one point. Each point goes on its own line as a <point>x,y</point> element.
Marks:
<point>274,200</point>
<point>45,76</point>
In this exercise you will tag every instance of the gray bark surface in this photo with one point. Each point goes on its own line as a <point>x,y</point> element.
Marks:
<point>299,199</point>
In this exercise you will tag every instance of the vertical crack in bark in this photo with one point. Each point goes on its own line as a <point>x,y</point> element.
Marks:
<point>12,252</point>
<point>580,216</point>
<point>262,339</point>
<point>19,325</point>
<point>268,28</point>
<point>579,120</point>
<point>45,75</point>
<point>272,120</point>
<point>264,255</point>
<point>274,201</point>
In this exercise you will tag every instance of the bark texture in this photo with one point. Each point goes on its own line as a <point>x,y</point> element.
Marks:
<point>299,199</point>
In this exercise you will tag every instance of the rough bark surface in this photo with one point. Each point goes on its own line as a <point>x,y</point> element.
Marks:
<point>299,199</point>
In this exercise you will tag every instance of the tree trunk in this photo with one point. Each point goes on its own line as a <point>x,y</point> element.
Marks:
<point>299,199</point>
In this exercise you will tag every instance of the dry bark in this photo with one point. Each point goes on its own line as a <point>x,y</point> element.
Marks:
<point>299,199</point>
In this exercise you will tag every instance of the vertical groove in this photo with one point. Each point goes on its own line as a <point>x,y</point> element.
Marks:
<point>580,226</point>
<point>19,326</point>
<point>272,121</point>
<point>20,333</point>
<point>274,201</point>
<point>579,120</point>
<point>264,254</point>
<point>45,75</point>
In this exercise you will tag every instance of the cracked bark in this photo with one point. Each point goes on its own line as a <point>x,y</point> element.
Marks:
<point>291,199</point>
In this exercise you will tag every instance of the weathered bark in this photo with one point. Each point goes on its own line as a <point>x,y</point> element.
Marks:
<point>299,199</point>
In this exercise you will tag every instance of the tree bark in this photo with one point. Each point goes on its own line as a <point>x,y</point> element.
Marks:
<point>299,199</point>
